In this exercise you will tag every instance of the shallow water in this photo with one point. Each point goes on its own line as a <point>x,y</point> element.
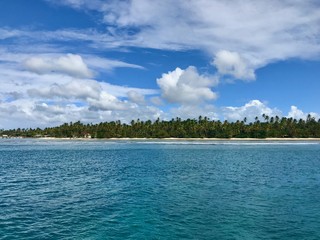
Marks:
<point>159,190</point>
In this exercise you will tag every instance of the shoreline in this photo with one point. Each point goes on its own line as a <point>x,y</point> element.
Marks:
<point>180,139</point>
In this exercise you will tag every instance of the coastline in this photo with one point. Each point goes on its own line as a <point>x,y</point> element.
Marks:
<point>182,139</point>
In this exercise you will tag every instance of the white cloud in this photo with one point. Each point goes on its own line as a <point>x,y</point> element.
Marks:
<point>103,64</point>
<point>137,112</point>
<point>15,79</point>
<point>106,102</point>
<point>136,97</point>
<point>186,86</point>
<point>232,63</point>
<point>261,32</point>
<point>250,110</point>
<point>92,4</point>
<point>257,33</point>
<point>85,100</point>
<point>70,64</point>
<point>75,89</point>
<point>8,33</point>
<point>25,113</point>
<point>51,87</point>
<point>193,112</point>
<point>28,99</point>
<point>296,113</point>
<point>241,36</point>
<point>121,91</point>
<point>156,101</point>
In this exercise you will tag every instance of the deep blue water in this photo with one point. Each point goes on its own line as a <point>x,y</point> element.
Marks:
<point>159,190</point>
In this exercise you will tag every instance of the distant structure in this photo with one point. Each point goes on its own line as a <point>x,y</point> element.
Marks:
<point>87,135</point>
<point>5,136</point>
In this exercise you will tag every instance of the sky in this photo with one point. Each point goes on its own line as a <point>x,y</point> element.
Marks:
<point>105,60</point>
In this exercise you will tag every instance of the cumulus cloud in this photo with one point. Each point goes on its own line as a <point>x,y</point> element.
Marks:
<point>232,63</point>
<point>250,110</point>
<point>106,102</point>
<point>296,113</point>
<point>27,113</point>
<point>186,86</point>
<point>70,64</point>
<point>28,99</point>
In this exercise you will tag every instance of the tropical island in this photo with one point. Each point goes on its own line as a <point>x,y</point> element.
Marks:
<point>203,127</point>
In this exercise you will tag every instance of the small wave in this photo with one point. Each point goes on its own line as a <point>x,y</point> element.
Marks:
<point>221,143</point>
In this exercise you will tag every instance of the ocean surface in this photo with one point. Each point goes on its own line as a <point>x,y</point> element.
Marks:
<point>60,189</point>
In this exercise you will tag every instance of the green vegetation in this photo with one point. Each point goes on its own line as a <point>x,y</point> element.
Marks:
<point>271,127</point>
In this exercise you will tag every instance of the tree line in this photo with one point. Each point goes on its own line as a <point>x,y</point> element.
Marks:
<point>203,127</point>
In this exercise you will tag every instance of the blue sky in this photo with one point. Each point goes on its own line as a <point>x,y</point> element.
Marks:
<point>95,60</point>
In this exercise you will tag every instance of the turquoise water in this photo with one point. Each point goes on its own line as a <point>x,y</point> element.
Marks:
<point>159,190</point>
